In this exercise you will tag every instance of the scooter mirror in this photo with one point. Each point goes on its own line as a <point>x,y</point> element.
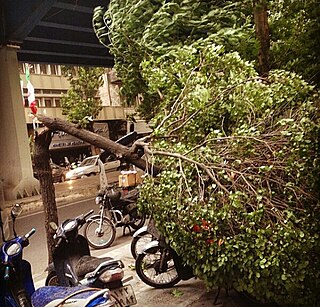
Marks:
<point>16,211</point>
<point>53,226</point>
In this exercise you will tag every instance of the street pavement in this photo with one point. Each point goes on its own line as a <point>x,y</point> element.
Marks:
<point>191,293</point>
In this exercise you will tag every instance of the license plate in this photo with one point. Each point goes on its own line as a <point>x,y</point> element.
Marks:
<point>123,296</point>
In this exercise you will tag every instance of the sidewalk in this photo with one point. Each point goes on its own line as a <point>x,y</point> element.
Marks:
<point>190,293</point>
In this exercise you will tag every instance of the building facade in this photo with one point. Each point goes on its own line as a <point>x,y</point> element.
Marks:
<point>49,87</point>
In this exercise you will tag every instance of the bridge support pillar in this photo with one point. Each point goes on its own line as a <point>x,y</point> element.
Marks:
<point>15,160</point>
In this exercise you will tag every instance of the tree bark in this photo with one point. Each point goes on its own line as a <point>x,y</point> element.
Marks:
<point>47,189</point>
<point>122,152</point>
<point>260,13</point>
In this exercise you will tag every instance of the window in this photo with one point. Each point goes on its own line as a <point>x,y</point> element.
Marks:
<point>54,69</point>
<point>43,69</point>
<point>41,103</point>
<point>59,92</point>
<point>31,68</point>
<point>57,102</point>
<point>48,102</point>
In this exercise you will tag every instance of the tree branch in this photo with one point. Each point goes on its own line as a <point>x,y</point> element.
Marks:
<point>122,152</point>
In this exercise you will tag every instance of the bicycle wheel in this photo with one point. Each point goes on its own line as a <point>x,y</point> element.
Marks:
<point>99,237</point>
<point>137,219</point>
<point>138,243</point>
<point>151,272</point>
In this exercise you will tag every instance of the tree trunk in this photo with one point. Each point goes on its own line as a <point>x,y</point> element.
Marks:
<point>42,166</point>
<point>122,152</point>
<point>260,13</point>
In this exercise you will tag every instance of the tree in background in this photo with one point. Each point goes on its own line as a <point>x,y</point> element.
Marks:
<point>82,104</point>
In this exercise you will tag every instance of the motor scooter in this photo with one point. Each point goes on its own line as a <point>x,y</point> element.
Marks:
<point>73,264</point>
<point>157,263</point>
<point>16,283</point>
<point>141,238</point>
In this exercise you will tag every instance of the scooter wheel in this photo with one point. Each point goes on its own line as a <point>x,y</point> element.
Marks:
<point>52,280</point>
<point>155,271</point>
<point>138,243</point>
<point>97,237</point>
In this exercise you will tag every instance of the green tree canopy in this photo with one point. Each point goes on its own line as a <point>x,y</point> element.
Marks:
<point>239,197</point>
<point>81,103</point>
<point>138,29</point>
<point>239,194</point>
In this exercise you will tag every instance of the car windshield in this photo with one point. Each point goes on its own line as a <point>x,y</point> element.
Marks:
<point>87,162</point>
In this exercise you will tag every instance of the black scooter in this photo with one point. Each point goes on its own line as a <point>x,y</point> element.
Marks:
<point>158,265</point>
<point>74,266</point>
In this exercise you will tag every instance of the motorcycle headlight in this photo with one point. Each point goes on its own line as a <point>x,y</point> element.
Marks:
<point>98,200</point>
<point>69,225</point>
<point>13,249</point>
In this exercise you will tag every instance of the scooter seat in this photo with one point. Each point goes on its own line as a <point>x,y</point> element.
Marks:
<point>88,264</point>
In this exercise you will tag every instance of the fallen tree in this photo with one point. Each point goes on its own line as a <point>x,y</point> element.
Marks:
<point>123,153</point>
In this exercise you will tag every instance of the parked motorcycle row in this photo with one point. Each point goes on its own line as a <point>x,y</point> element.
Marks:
<point>75,278</point>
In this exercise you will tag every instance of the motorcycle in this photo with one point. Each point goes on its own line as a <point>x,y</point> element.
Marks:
<point>74,266</point>
<point>118,208</point>
<point>158,265</point>
<point>16,283</point>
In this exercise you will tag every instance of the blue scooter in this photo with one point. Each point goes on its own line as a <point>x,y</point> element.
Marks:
<point>16,283</point>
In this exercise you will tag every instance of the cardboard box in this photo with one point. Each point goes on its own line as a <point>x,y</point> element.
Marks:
<point>127,179</point>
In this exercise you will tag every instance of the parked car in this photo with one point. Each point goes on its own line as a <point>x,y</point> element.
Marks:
<point>58,173</point>
<point>89,167</point>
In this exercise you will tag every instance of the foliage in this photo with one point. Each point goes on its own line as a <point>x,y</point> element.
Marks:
<point>238,197</point>
<point>138,29</point>
<point>239,194</point>
<point>81,103</point>
<point>295,30</point>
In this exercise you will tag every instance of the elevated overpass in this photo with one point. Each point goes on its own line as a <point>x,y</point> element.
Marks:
<point>37,31</point>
